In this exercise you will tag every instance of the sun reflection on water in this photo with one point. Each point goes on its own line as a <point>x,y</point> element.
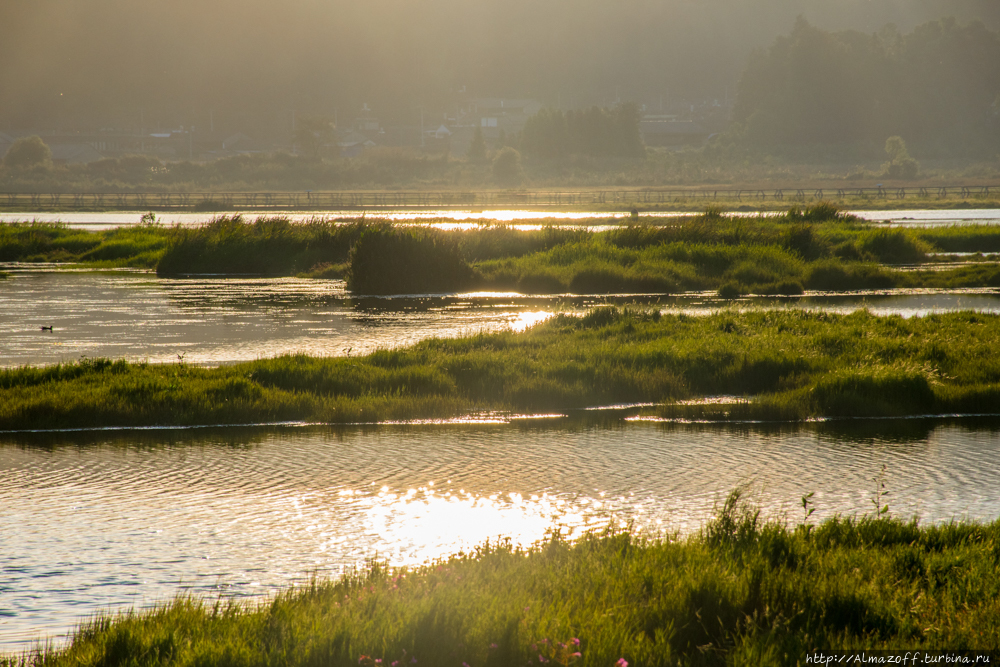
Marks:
<point>526,320</point>
<point>424,524</point>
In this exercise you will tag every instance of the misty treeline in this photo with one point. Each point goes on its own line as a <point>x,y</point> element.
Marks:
<point>248,65</point>
<point>598,132</point>
<point>938,87</point>
<point>380,167</point>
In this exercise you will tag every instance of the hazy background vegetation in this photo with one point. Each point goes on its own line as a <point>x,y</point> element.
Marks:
<point>938,86</point>
<point>817,82</point>
<point>251,63</point>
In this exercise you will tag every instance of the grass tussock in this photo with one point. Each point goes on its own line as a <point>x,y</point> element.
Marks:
<point>745,590</point>
<point>396,260</point>
<point>789,365</point>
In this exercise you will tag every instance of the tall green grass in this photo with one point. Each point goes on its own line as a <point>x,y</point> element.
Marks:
<point>229,244</point>
<point>961,238</point>
<point>789,364</point>
<point>747,589</point>
<point>137,246</point>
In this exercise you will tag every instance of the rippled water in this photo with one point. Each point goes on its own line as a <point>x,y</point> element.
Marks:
<point>211,321</point>
<point>107,521</point>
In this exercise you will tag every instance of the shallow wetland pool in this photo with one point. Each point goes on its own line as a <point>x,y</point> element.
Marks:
<point>107,520</point>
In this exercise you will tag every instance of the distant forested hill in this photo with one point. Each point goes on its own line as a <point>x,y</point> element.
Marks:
<point>938,87</point>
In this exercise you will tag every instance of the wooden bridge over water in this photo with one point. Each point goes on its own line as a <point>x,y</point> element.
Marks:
<point>603,199</point>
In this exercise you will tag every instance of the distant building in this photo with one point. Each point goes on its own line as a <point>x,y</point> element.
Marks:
<point>366,123</point>
<point>496,114</point>
<point>353,143</point>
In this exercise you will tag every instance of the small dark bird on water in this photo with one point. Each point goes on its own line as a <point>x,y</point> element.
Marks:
<point>47,328</point>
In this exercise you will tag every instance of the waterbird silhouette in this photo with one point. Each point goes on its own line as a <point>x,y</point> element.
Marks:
<point>48,328</point>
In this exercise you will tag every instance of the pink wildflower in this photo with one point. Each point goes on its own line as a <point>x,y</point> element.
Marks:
<point>494,645</point>
<point>541,658</point>
<point>576,655</point>
<point>575,641</point>
<point>622,662</point>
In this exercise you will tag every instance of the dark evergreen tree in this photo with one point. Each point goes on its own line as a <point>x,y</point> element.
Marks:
<point>477,150</point>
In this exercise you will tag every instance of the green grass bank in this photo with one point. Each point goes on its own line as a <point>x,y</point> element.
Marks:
<point>744,591</point>
<point>789,365</point>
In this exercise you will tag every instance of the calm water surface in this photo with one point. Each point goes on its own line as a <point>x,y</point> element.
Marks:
<point>106,521</point>
<point>210,321</point>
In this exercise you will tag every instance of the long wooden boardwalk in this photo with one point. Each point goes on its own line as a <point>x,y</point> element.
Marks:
<point>485,199</point>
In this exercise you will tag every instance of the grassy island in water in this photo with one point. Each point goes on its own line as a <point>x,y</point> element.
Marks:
<point>811,249</point>
<point>786,364</point>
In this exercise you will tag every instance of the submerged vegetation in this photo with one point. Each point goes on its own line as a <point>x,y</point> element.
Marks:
<point>789,365</point>
<point>745,590</point>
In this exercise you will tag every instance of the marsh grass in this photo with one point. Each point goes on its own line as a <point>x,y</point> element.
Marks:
<point>138,246</point>
<point>230,244</point>
<point>961,238</point>
<point>817,248</point>
<point>747,589</point>
<point>790,364</point>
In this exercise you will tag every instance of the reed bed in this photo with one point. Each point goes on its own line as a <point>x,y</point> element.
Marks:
<point>790,365</point>
<point>745,590</point>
